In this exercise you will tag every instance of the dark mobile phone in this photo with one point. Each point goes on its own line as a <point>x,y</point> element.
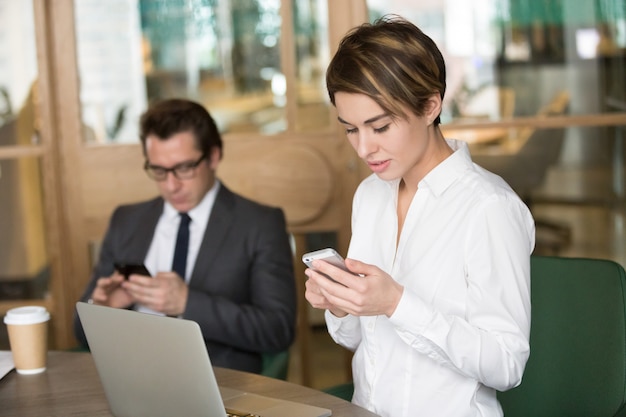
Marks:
<point>127,269</point>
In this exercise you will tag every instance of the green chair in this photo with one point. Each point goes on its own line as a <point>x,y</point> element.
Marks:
<point>577,364</point>
<point>276,365</point>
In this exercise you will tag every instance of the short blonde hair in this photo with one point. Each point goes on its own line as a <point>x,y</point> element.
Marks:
<point>391,61</point>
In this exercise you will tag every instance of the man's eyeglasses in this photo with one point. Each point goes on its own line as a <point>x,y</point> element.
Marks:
<point>182,171</point>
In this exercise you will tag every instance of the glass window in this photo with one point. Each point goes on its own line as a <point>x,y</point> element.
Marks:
<point>223,53</point>
<point>111,70</point>
<point>18,61</point>
<point>312,58</point>
<point>534,49</point>
<point>24,267</point>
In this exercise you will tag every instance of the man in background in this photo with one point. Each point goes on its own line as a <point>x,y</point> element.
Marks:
<point>214,257</point>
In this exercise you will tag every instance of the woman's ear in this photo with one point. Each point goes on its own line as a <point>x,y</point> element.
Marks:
<point>433,108</point>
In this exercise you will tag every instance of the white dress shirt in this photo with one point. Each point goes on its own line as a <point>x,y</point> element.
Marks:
<point>161,253</point>
<point>461,329</point>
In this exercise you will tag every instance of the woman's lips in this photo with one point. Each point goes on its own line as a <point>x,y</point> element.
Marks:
<point>379,166</point>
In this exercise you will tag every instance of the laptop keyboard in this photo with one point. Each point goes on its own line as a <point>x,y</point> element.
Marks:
<point>234,413</point>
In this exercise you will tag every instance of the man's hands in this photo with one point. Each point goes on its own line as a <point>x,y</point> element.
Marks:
<point>109,292</point>
<point>371,293</point>
<point>166,292</point>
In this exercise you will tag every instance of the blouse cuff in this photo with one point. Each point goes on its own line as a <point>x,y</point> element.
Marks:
<point>411,313</point>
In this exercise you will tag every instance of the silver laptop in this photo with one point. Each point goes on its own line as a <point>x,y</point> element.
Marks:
<point>155,366</point>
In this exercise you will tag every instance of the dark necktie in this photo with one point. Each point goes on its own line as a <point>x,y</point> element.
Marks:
<point>182,245</point>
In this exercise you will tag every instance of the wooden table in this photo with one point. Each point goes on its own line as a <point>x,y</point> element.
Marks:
<point>71,387</point>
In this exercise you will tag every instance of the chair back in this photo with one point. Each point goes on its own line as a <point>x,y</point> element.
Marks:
<point>577,364</point>
<point>276,365</point>
<point>525,170</point>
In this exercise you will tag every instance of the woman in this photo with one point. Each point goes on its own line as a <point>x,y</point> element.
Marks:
<point>439,313</point>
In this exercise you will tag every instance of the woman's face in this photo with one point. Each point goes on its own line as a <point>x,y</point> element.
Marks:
<point>392,148</point>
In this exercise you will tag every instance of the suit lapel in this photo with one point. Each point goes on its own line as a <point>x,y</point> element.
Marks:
<point>217,228</point>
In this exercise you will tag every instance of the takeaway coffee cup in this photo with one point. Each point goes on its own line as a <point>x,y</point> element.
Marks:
<point>28,337</point>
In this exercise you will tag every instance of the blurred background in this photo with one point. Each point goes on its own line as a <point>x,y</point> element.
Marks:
<point>537,88</point>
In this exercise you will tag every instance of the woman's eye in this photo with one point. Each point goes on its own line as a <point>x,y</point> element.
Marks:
<point>352,130</point>
<point>381,129</point>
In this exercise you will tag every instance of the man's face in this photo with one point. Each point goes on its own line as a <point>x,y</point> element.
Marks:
<point>183,194</point>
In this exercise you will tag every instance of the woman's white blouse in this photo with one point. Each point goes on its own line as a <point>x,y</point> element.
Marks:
<point>461,329</point>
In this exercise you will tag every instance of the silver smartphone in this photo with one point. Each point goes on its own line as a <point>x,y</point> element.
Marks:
<point>329,255</point>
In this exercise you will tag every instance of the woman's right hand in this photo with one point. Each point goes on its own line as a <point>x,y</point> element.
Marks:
<point>314,296</point>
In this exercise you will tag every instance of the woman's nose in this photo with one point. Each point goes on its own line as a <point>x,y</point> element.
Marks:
<point>364,145</point>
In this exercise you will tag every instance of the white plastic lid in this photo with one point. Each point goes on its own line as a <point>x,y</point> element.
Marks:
<point>27,315</point>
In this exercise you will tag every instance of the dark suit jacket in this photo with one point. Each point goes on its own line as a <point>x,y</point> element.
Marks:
<point>242,289</point>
